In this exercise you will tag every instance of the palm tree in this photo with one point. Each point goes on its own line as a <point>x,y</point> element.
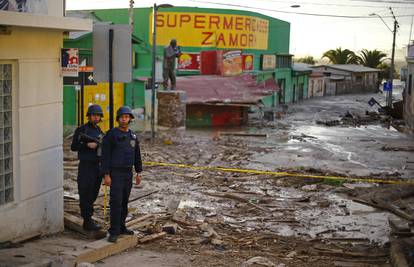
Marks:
<point>339,56</point>
<point>371,58</point>
<point>308,60</point>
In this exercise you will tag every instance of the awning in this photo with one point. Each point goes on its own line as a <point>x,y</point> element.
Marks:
<point>9,18</point>
<point>242,89</point>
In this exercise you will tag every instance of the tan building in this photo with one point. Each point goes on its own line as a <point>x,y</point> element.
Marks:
<point>31,155</point>
<point>349,79</point>
<point>408,92</point>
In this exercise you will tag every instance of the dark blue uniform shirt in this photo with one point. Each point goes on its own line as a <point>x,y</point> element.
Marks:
<point>79,142</point>
<point>121,150</point>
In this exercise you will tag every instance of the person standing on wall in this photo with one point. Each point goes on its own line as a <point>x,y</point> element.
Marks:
<point>121,152</point>
<point>87,142</point>
<point>171,52</point>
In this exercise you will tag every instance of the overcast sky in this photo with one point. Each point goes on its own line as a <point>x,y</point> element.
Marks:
<point>310,35</point>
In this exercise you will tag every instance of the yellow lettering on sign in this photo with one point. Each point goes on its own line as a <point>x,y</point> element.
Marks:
<point>212,30</point>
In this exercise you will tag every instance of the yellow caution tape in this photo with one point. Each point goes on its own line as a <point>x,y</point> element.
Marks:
<point>284,174</point>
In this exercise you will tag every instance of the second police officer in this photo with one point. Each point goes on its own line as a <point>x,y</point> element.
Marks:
<point>86,141</point>
<point>121,153</point>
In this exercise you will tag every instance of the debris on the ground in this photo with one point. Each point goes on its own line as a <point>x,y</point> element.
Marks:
<point>151,237</point>
<point>76,224</point>
<point>261,261</point>
<point>244,134</point>
<point>102,249</point>
<point>170,228</point>
<point>398,148</point>
<point>273,220</point>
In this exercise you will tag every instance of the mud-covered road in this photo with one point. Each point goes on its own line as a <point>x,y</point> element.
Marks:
<point>292,217</point>
<point>226,218</point>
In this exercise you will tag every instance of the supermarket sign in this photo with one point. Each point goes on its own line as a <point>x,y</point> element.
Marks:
<point>227,31</point>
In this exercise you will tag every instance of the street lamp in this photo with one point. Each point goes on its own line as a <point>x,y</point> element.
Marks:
<point>391,75</point>
<point>154,54</point>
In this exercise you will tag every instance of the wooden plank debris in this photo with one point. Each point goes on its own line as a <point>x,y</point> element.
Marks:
<point>102,249</point>
<point>237,198</point>
<point>398,225</point>
<point>142,195</point>
<point>141,225</point>
<point>139,219</point>
<point>76,224</point>
<point>152,237</point>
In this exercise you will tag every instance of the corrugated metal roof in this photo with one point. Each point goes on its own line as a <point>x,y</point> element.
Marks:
<point>230,90</point>
<point>350,67</point>
<point>301,67</point>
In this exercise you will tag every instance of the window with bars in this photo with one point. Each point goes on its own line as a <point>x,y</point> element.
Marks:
<point>6,144</point>
<point>283,61</point>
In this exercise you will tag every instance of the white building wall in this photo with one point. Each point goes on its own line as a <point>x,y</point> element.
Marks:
<point>37,132</point>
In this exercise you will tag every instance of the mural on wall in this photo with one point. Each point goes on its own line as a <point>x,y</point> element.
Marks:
<point>229,62</point>
<point>228,31</point>
<point>248,60</point>
<point>189,62</point>
<point>25,6</point>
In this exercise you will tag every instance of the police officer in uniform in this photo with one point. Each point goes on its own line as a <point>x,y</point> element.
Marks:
<point>86,143</point>
<point>121,153</point>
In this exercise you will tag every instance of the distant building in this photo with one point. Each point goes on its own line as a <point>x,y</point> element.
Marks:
<point>349,78</point>
<point>408,92</point>
<point>300,77</point>
<point>31,162</point>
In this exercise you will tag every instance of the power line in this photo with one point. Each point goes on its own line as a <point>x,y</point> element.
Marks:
<point>292,12</point>
<point>385,1</point>
<point>330,4</point>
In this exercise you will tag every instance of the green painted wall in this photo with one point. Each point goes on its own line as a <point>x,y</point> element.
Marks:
<point>135,94</point>
<point>278,43</point>
<point>297,80</point>
<point>279,31</point>
<point>286,75</point>
<point>69,102</point>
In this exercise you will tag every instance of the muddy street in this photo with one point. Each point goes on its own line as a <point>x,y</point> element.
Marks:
<point>225,217</point>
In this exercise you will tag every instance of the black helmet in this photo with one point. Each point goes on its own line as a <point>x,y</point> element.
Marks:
<point>94,109</point>
<point>124,110</point>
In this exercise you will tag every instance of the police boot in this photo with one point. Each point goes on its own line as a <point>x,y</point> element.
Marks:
<point>90,225</point>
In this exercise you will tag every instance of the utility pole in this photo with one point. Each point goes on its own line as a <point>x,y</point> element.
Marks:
<point>394,32</point>
<point>131,15</point>
<point>154,63</point>
<point>154,51</point>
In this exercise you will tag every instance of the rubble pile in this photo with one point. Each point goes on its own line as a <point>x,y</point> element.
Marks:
<point>171,109</point>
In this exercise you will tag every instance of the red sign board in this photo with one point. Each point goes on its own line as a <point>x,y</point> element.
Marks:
<point>189,62</point>
<point>70,62</point>
<point>247,62</point>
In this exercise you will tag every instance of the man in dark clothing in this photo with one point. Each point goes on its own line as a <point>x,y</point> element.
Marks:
<point>170,53</point>
<point>121,153</point>
<point>86,141</point>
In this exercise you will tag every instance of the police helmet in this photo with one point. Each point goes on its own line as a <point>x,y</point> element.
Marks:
<point>124,110</point>
<point>94,109</point>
